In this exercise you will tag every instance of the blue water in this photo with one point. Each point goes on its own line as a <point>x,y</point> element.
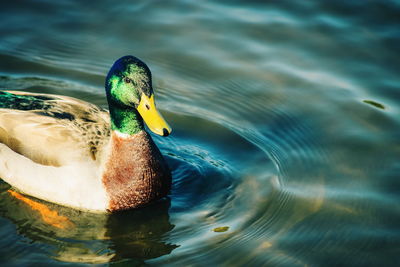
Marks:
<point>285,120</point>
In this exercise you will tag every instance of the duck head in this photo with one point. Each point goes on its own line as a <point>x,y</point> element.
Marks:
<point>130,98</point>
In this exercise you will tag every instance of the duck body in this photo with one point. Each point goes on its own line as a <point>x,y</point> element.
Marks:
<point>73,153</point>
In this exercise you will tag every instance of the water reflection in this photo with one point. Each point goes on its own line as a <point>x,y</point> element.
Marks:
<point>92,238</point>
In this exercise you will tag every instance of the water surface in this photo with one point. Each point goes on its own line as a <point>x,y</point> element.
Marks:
<point>285,149</point>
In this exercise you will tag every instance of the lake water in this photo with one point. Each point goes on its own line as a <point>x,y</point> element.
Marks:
<point>286,129</point>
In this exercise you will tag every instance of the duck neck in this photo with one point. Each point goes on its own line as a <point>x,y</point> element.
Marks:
<point>125,120</point>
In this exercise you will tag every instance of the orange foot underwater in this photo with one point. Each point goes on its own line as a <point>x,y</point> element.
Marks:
<point>49,216</point>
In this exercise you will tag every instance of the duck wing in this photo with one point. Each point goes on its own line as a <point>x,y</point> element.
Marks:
<point>52,130</point>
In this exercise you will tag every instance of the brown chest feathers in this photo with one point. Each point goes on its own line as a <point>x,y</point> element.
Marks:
<point>135,173</point>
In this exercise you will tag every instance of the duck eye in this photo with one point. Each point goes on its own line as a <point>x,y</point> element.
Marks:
<point>127,80</point>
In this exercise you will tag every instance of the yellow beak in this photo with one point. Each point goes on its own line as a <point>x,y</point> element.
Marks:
<point>151,116</point>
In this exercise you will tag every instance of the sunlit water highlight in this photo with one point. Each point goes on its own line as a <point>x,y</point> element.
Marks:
<point>285,150</point>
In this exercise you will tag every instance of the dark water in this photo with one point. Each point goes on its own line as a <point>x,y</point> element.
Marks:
<point>286,129</point>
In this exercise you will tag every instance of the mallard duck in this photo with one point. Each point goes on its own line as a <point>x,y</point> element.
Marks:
<point>73,153</point>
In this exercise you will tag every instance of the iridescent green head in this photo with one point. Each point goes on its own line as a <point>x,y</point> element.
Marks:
<point>131,98</point>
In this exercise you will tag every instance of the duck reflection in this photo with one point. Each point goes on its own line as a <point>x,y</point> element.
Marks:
<point>76,236</point>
